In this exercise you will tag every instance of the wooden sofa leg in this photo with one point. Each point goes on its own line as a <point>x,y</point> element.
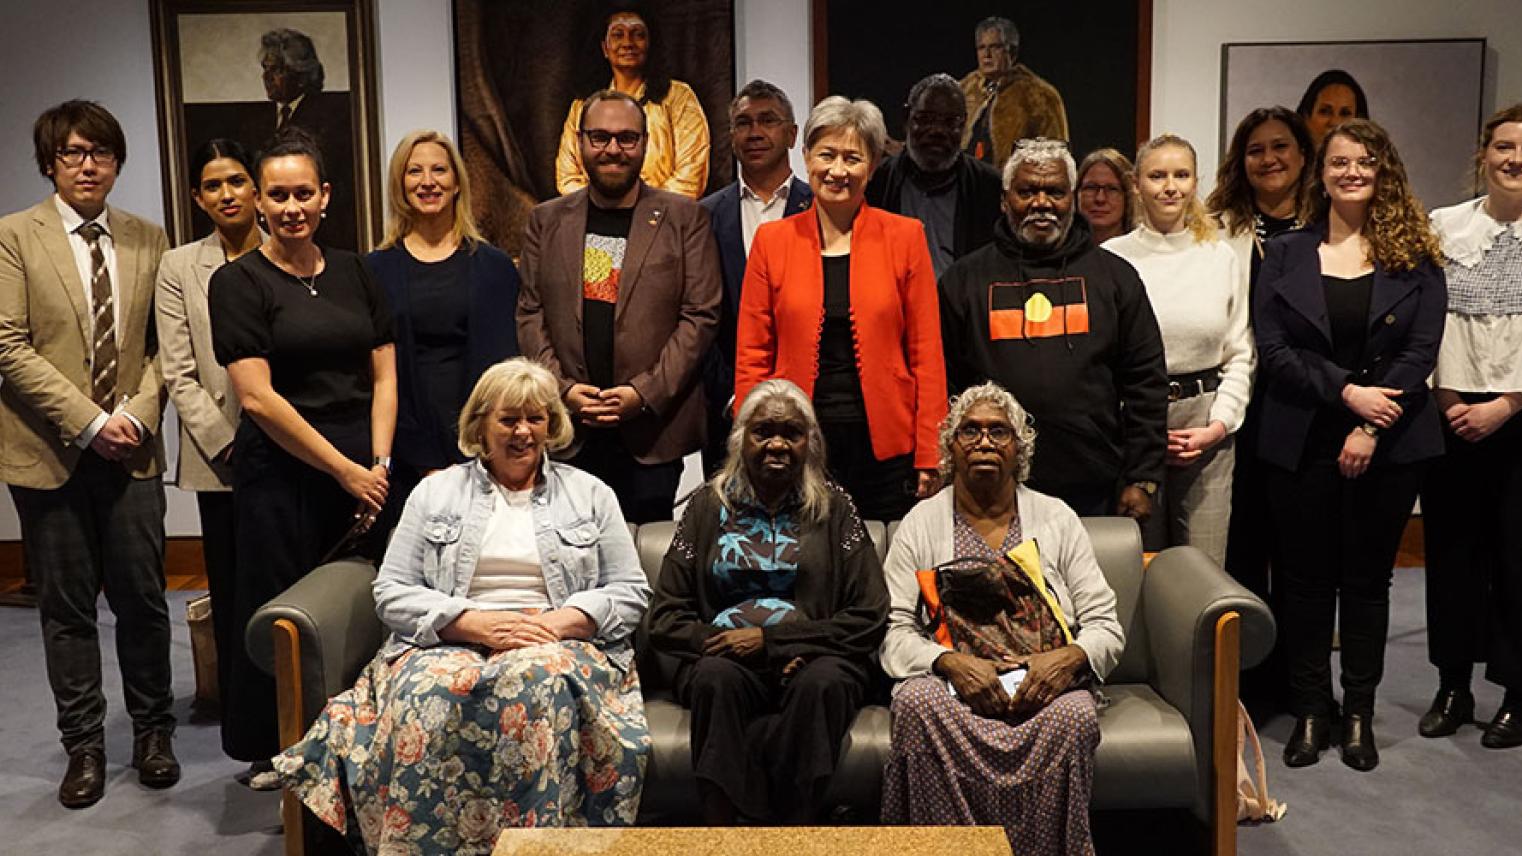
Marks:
<point>288,704</point>
<point>1223,739</point>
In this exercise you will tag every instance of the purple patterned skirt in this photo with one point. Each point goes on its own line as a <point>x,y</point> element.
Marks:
<point>948,766</point>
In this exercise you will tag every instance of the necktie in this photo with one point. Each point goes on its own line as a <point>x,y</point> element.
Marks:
<point>285,116</point>
<point>103,367</point>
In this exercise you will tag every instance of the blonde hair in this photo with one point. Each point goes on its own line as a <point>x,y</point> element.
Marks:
<point>1196,218</point>
<point>400,218</point>
<point>518,383</point>
<point>733,480</point>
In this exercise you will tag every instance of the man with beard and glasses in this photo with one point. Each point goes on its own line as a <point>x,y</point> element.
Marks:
<point>955,195</point>
<point>764,131</point>
<point>1067,328</point>
<point>620,299</point>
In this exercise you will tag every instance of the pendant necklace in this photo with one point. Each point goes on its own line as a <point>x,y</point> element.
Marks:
<point>309,284</point>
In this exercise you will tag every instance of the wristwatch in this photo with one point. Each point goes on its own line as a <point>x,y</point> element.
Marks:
<point>383,461</point>
<point>1147,487</point>
<point>1369,429</point>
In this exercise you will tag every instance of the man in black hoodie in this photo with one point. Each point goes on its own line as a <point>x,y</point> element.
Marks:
<point>1067,328</point>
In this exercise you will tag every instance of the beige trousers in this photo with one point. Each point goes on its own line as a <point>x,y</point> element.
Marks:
<point>1196,499</point>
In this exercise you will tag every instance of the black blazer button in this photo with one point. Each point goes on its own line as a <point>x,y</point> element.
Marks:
<point>1389,319</point>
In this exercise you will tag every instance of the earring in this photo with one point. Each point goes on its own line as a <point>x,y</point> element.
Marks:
<point>324,215</point>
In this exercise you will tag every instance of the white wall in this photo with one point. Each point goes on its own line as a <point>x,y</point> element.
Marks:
<point>1188,34</point>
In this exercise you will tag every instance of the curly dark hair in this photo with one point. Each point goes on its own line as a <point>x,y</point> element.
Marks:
<point>594,69</point>
<point>1232,203</point>
<point>1400,237</point>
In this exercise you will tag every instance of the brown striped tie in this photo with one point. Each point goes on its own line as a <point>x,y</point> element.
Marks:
<point>103,371</point>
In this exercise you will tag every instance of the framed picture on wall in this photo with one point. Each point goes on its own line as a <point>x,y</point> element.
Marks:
<point>244,69</point>
<point>523,66</point>
<point>1081,71</point>
<point>1428,94</point>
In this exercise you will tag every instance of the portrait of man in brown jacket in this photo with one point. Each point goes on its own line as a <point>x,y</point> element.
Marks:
<point>1006,101</point>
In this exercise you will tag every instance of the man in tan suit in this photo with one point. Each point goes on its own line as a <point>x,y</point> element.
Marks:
<point>79,445</point>
<point>620,299</point>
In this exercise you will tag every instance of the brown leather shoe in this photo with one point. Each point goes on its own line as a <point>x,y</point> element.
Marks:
<point>153,756</point>
<point>85,782</point>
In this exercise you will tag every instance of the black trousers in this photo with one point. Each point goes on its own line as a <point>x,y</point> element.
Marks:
<point>1334,546</point>
<point>771,749</point>
<point>219,552</point>
<point>646,492</point>
<point>1249,541</point>
<point>1472,510</point>
<point>882,490</point>
<point>100,530</point>
<point>287,516</point>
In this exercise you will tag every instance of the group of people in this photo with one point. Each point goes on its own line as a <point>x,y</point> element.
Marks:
<point>1271,375</point>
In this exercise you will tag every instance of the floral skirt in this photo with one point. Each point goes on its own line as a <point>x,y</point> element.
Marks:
<point>440,749</point>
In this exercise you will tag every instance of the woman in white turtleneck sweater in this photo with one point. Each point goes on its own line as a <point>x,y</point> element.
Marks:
<point>1198,289</point>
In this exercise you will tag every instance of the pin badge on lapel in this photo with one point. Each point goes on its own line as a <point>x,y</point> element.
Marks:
<point>655,217</point>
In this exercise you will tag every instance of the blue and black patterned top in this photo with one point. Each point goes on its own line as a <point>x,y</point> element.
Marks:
<point>755,570</point>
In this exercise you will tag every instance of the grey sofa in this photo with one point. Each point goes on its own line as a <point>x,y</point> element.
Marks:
<point>1168,733</point>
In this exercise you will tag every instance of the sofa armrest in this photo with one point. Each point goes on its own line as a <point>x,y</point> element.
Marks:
<point>333,611</point>
<point>1184,596</point>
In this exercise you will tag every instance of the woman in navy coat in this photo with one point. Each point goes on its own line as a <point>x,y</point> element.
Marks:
<point>1349,313</point>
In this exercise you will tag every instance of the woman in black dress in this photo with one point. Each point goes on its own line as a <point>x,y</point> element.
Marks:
<point>1349,314</point>
<point>306,337</point>
<point>453,297</point>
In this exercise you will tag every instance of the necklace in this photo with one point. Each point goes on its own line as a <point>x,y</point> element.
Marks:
<point>310,284</point>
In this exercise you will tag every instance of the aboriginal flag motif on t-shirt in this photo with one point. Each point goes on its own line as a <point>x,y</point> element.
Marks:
<point>1038,309</point>
<point>601,264</point>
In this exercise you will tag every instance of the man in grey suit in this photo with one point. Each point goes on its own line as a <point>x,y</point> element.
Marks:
<point>620,299</point>
<point>79,444</point>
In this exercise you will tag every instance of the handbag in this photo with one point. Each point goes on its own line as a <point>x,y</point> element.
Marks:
<point>997,609</point>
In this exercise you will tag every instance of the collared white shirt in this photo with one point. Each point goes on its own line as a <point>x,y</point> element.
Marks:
<point>754,212</point>
<point>86,267</point>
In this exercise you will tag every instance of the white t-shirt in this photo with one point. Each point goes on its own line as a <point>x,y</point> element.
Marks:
<point>508,575</point>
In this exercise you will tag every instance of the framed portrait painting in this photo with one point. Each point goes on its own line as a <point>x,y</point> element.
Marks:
<point>523,67</point>
<point>1428,94</point>
<point>246,69</point>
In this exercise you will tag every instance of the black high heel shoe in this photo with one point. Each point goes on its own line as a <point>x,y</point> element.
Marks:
<point>1313,733</point>
<point>1358,749</point>
<point>1450,709</point>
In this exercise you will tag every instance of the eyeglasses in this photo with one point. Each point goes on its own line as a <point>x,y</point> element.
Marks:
<point>74,156</point>
<point>1368,163</point>
<point>1088,189</point>
<point>997,433</point>
<point>769,121</point>
<point>602,139</point>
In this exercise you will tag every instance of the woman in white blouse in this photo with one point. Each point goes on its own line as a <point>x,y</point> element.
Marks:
<point>1472,502</point>
<point>1198,289</point>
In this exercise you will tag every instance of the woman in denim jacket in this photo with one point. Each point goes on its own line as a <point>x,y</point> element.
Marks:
<point>506,695</point>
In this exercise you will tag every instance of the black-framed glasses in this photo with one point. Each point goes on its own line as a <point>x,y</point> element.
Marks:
<point>73,156</point>
<point>626,140</point>
<point>1091,189</point>
<point>998,434</point>
<point>1367,163</point>
<point>767,121</point>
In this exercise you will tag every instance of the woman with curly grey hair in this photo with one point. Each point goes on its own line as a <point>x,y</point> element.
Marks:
<point>1031,747</point>
<point>772,598</point>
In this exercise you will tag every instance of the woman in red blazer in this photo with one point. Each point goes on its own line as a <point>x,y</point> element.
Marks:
<point>840,299</point>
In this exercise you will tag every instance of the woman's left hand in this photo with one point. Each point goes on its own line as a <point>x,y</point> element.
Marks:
<point>1185,445</point>
<point>1478,421</point>
<point>929,483</point>
<point>1357,451</point>
<point>1048,675</point>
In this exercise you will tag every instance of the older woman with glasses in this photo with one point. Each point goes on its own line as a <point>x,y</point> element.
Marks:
<point>771,596</point>
<point>841,300</point>
<point>967,749</point>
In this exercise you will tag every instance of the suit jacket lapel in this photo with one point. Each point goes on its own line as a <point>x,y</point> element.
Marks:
<point>1302,289</point>
<point>569,248</point>
<point>649,216</point>
<point>50,234</point>
<point>1389,289</point>
<point>128,238</point>
<point>799,198</point>
<point>730,231</point>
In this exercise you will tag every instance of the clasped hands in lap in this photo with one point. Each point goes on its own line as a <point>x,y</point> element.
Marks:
<point>745,645</point>
<point>507,630</point>
<point>1049,674</point>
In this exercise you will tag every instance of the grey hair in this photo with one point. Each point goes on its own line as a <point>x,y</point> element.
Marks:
<point>1038,150</point>
<point>733,480</point>
<point>296,52</point>
<point>937,82</point>
<point>837,113</point>
<point>1007,32</point>
<point>758,89</point>
<point>1019,420</point>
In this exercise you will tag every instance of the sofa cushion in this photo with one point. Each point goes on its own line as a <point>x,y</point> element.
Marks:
<point>1146,755</point>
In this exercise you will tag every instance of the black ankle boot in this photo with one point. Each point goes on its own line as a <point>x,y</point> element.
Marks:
<point>1313,733</point>
<point>1450,709</point>
<point>1358,749</point>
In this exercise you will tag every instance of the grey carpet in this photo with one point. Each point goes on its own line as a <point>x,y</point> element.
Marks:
<point>1445,796</point>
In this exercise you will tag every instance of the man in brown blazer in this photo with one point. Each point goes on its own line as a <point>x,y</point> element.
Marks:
<point>620,299</point>
<point>79,446</point>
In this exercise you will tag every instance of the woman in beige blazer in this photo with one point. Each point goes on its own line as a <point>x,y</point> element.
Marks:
<point>224,189</point>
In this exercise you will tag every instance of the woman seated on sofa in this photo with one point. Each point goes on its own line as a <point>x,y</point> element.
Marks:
<point>772,597</point>
<point>965,749</point>
<point>506,695</point>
